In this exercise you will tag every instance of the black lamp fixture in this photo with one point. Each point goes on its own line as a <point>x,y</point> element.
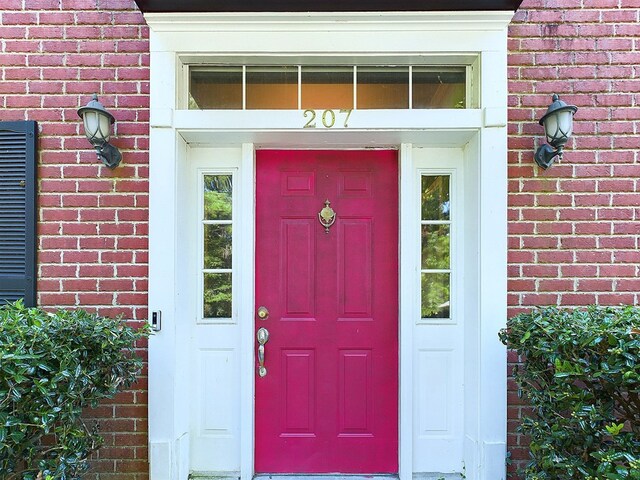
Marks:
<point>558,126</point>
<point>97,127</point>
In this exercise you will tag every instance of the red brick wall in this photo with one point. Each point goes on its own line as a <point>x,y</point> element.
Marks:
<point>574,229</point>
<point>54,54</point>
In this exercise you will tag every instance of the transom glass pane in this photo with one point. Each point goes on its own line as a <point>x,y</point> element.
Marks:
<point>272,88</point>
<point>288,87</point>
<point>439,87</point>
<point>215,88</point>
<point>383,87</point>
<point>327,87</point>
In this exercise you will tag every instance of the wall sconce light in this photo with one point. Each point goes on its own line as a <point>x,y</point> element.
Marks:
<point>97,127</point>
<point>558,126</point>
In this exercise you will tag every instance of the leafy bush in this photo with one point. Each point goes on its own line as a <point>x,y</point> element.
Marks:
<point>581,376</point>
<point>51,367</point>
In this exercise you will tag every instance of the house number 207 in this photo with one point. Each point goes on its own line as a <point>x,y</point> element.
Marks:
<point>327,117</point>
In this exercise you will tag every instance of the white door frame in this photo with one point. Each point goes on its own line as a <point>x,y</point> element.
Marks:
<point>480,133</point>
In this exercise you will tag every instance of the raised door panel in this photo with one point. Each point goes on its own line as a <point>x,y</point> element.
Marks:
<point>298,267</point>
<point>298,380</point>
<point>355,269</point>
<point>355,391</point>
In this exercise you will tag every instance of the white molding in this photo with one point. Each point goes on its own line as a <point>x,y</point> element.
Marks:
<point>360,120</point>
<point>246,271</point>
<point>308,21</point>
<point>243,35</point>
<point>409,231</point>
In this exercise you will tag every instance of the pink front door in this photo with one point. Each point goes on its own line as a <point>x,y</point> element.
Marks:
<point>329,400</point>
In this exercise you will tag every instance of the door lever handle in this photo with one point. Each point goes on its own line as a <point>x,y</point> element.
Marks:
<point>263,337</point>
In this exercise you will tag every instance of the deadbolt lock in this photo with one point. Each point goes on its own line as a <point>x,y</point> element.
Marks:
<point>263,313</point>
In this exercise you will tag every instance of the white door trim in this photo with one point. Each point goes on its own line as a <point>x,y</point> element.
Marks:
<point>482,137</point>
<point>247,270</point>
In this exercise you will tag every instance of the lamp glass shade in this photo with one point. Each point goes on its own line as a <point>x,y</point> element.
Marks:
<point>97,126</point>
<point>558,127</point>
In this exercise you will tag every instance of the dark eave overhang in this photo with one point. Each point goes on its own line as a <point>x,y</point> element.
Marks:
<point>180,6</point>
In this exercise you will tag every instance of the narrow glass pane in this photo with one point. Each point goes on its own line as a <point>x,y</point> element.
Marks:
<point>215,88</point>
<point>218,191</point>
<point>327,87</point>
<point>435,247</point>
<point>436,300</point>
<point>439,87</point>
<point>435,197</point>
<point>217,246</point>
<point>383,87</point>
<point>217,295</point>
<point>271,88</point>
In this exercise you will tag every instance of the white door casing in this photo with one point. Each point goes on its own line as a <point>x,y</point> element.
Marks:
<point>470,141</point>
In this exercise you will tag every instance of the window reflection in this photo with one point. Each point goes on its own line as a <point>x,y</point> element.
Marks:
<point>435,246</point>
<point>217,246</point>
<point>272,88</point>
<point>383,87</point>
<point>327,87</point>
<point>287,87</point>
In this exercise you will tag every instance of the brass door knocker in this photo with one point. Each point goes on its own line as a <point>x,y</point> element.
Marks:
<point>327,216</point>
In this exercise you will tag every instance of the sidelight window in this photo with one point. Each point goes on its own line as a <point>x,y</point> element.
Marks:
<point>436,246</point>
<point>217,234</point>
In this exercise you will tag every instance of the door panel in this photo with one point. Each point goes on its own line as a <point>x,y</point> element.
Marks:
<point>329,400</point>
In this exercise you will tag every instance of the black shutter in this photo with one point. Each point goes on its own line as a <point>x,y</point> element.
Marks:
<point>18,211</point>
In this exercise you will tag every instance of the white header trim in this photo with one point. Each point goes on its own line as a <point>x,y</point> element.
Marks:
<point>304,21</point>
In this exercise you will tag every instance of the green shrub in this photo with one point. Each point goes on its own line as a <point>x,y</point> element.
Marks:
<point>581,376</point>
<point>52,366</point>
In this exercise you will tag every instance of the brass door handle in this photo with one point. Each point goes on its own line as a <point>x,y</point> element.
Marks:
<point>263,337</point>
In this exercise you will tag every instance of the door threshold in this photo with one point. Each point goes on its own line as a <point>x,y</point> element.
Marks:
<point>324,476</point>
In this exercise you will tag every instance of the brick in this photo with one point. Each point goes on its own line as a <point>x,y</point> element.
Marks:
<point>554,256</point>
<point>617,242</point>
<point>593,257</point>
<point>595,285</point>
<point>592,200</point>
<point>82,256</point>
<point>577,299</point>
<point>628,285</point>
<point>578,242</point>
<point>540,270</point>
<point>556,285</point>
<point>539,242</point>
<point>95,299</point>
<point>115,284</point>
<point>57,299</point>
<point>532,299</point>
<point>617,185</point>
<point>617,213</point>
<point>615,299</point>
<point>577,270</point>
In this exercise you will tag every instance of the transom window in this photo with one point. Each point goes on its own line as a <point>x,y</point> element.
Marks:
<point>246,87</point>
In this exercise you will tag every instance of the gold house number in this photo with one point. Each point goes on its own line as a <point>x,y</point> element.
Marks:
<point>327,117</point>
